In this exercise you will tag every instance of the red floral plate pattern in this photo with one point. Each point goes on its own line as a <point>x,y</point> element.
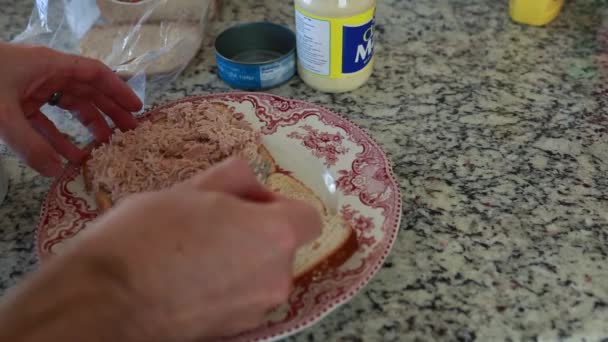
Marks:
<point>369,198</point>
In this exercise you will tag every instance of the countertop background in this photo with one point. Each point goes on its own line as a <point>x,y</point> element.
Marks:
<point>499,135</point>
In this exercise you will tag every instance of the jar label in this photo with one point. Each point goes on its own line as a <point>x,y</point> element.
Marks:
<point>335,47</point>
<point>358,47</point>
<point>313,43</point>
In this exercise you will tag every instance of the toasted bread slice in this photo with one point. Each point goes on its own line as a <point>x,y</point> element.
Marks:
<point>268,159</point>
<point>103,199</point>
<point>337,242</point>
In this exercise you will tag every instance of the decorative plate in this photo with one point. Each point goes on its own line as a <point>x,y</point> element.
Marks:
<point>369,198</point>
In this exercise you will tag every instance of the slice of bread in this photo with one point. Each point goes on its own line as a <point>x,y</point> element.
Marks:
<point>337,242</point>
<point>103,198</point>
<point>117,11</point>
<point>165,48</point>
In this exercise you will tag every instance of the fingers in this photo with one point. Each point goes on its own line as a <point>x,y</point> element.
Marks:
<point>89,116</point>
<point>293,223</point>
<point>121,118</point>
<point>27,143</point>
<point>85,99</point>
<point>120,115</point>
<point>297,217</point>
<point>55,138</point>
<point>233,176</point>
<point>102,78</point>
<point>91,81</point>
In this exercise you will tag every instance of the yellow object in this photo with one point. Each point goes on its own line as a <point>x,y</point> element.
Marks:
<point>335,43</point>
<point>535,12</point>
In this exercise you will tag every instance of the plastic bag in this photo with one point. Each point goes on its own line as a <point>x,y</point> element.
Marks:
<point>147,42</point>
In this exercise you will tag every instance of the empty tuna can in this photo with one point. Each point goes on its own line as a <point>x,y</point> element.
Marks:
<point>256,56</point>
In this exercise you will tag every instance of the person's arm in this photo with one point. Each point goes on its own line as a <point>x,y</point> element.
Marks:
<point>70,300</point>
<point>207,258</point>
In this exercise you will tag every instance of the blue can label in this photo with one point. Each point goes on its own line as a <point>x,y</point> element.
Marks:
<point>238,75</point>
<point>358,47</point>
<point>253,77</point>
<point>273,74</point>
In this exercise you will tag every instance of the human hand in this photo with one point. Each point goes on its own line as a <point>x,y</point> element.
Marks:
<point>29,78</point>
<point>207,258</point>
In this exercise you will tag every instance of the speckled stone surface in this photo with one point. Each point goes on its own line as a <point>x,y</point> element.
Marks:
<point>499,134</point>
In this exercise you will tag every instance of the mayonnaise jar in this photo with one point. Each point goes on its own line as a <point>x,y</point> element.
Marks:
<point>335,43</point>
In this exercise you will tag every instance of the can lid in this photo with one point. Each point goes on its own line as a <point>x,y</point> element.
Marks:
<point>255,43</point>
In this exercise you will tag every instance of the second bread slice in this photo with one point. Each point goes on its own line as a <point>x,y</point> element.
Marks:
<point>166,48</point>
<point>337,242</point>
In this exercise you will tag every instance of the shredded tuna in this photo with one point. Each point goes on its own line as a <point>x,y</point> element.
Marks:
<point>156,155</point>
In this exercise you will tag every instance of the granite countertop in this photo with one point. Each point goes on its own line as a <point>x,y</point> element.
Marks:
<point>499,135</point>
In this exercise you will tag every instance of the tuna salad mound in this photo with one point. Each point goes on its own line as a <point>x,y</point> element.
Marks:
<point>185,139</point>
